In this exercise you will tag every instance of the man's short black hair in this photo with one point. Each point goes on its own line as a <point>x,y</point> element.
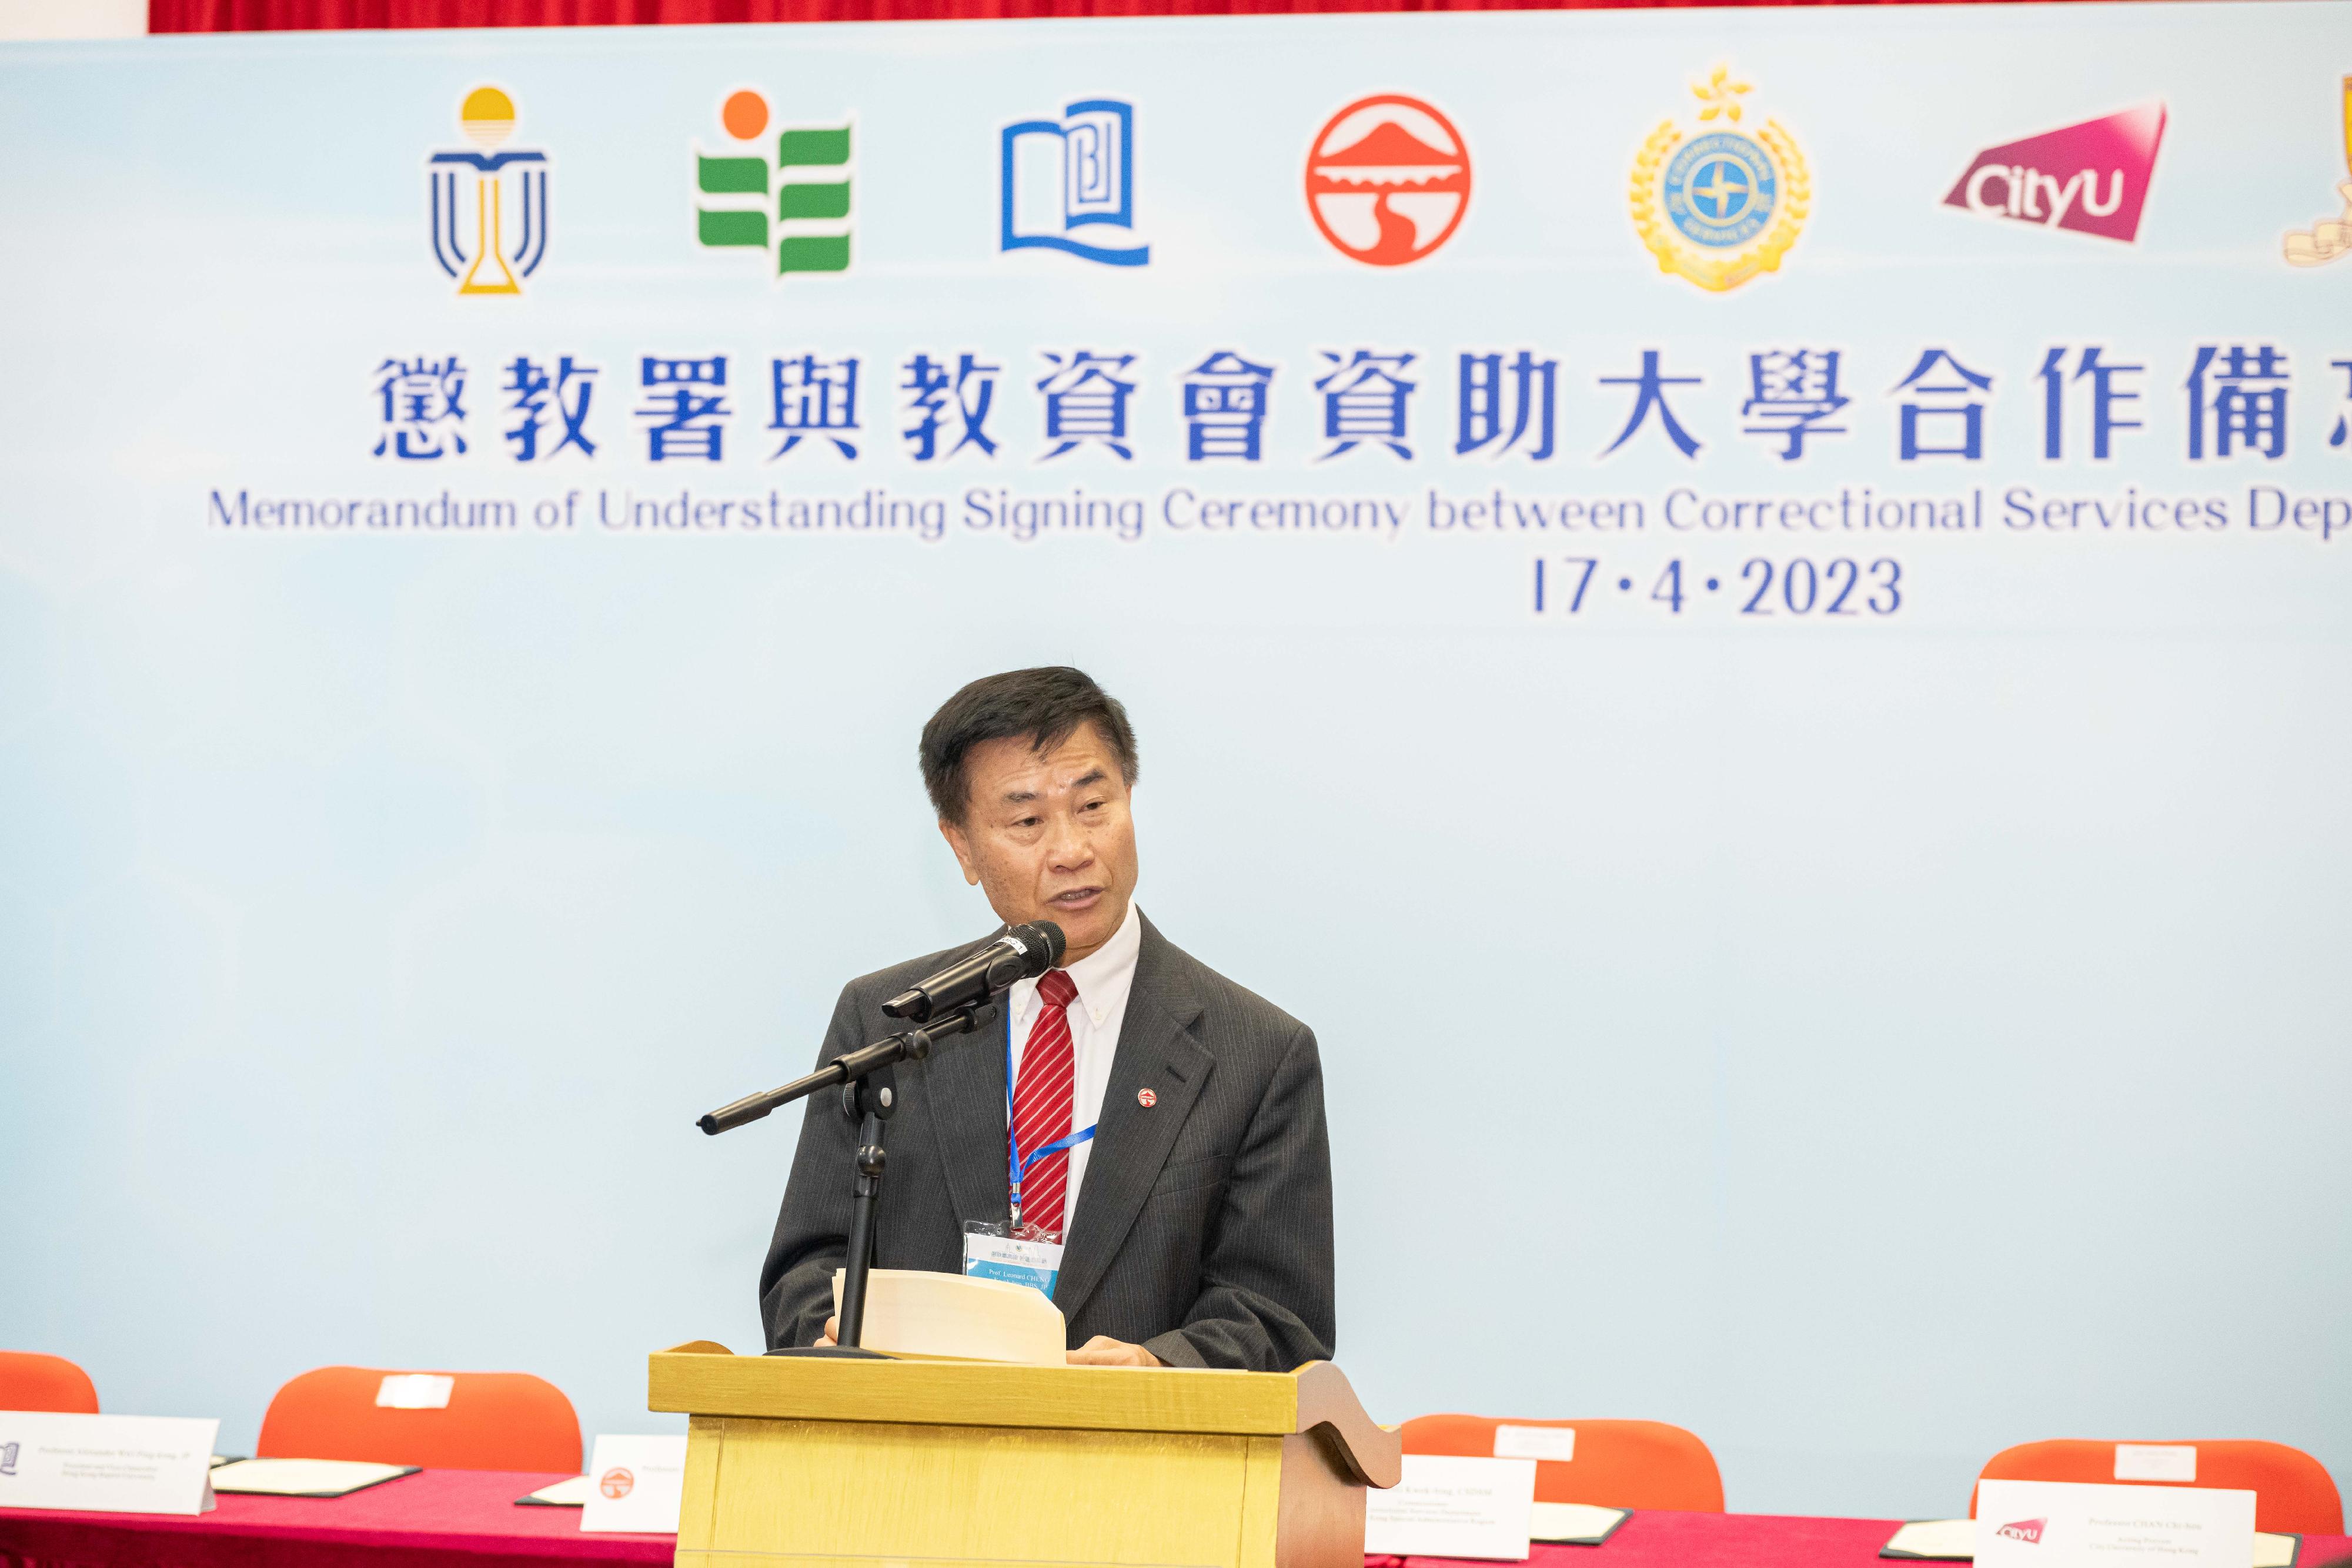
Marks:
<point>1045,706</point>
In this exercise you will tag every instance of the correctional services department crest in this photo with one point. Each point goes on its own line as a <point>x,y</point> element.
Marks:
<point>1722,198</point>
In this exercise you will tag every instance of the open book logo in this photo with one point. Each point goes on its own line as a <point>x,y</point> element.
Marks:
<point>1069,184</point>
<point>2090,178</point>
<point>8,1458</point>
<point>2026,1530</point>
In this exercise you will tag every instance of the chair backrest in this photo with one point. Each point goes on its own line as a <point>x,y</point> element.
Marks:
<point>493,1421</point>
<point>31,1381</point>
<point>2292,1493</point>
<point>1617,1464</point>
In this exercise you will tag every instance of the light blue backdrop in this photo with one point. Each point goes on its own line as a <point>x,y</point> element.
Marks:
<point>1868,1044</point>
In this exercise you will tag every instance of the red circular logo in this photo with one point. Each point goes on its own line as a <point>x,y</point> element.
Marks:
<point>1146,1098</point>
<point>1388,179</point>
<point>615,1482</point>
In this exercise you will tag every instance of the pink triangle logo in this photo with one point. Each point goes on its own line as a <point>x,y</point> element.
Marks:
<point>2025,1529</point>
<point>2092,177</point>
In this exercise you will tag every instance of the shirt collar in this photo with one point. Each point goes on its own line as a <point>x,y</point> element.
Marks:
<point>1103,977</point>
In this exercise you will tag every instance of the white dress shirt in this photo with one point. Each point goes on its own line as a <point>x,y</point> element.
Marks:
<point>1103,977</point>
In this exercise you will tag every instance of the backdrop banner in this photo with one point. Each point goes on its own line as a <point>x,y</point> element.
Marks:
<point>1809,548</point>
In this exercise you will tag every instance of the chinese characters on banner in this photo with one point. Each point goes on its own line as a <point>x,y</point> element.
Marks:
<point>2087,398</point>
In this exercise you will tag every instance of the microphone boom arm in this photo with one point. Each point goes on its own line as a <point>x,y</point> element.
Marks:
<point>850,1066</point>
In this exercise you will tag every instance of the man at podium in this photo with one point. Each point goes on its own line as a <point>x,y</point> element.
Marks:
<point>1167,1125</point>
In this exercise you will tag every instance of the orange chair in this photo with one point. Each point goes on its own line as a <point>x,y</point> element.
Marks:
<point>2292,1493</point>
<point>30,1380</point>
<point>1617,1464</point>
<point>494,1421</point>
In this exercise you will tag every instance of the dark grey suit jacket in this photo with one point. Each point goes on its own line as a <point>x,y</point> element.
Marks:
<point>1203,1226</point>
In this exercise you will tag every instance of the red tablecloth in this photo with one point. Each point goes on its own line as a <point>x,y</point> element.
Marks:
<point>426,1518</point>
<point>469,1515</point>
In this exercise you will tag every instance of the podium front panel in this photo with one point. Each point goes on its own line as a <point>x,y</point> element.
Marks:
<point>870,1491</point>
<point>828,1462</point>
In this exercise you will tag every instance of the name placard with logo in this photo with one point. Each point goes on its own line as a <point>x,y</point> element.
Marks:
<point>635,1485</point>
<point>106,1464</point>
<point>2064,1524</point>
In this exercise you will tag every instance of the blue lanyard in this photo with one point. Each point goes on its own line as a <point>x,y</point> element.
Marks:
<point>1015,1167</point>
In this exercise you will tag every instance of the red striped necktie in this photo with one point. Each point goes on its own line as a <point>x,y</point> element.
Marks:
<point>1044,1099</point>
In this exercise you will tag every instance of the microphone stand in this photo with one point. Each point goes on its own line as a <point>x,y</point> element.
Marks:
<point>869,1093</point>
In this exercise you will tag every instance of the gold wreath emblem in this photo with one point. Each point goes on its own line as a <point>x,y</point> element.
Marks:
<point>1724,272</point>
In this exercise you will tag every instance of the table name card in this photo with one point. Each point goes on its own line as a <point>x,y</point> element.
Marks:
<point>1448,1506</point>
<point>635,1485</point>
<point>106,1464</point>
<point>2061,1524</point>
<point>1955,1540</point>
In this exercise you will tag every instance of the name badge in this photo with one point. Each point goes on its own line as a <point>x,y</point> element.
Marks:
<point>990,1254</point>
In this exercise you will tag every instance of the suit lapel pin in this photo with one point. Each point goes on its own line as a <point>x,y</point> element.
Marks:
<point>1146,1098</point>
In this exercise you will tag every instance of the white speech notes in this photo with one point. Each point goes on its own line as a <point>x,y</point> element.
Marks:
<point>970,1317</point>
<point>2061,1524</point>
<point>106,1464</point>
<point>635,1484</point>
<point>1451,1507</point>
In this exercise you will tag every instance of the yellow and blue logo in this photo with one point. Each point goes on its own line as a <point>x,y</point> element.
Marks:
<point>489,206</point>
<point>1722,198</point>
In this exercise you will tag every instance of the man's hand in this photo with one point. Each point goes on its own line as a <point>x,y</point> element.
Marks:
<point>831,1327</point>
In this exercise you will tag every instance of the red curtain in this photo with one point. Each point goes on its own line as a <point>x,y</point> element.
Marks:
<point>262,15</point>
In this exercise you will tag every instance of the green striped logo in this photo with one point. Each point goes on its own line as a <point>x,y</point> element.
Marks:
<point>794,200</point>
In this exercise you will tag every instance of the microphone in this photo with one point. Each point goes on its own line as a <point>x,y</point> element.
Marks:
<point>1022,953</point>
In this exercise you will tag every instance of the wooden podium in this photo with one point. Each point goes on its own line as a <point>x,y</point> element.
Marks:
<point>806,1460</point>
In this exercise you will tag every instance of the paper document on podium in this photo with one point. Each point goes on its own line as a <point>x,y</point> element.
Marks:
<point>913,1312</point>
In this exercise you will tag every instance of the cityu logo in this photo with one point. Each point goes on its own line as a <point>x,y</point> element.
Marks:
<point>2090,178</point>
<point>2026,1530</point>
